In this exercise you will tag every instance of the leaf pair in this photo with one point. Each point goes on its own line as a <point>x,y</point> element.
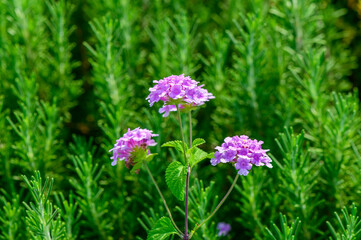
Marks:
<point>176,172</point>
<point>193,154</point>
<point>177,144</point>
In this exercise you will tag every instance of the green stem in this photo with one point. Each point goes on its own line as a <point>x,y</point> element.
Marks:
<point>190,128</point>
<point>186,205</point>
<point>161,195</point>
<point>183,142</point>
<point>187,180</point>
<point>217,208</point>
<point>188,174</point>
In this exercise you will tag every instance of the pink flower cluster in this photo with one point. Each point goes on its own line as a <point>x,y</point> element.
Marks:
<point>131,142</point>
<point>179,90</point>
<point>243,152</point>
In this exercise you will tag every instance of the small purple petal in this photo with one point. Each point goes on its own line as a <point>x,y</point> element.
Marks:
<point>223,229</point>
<point>214,161</point>
<point>167,109</point>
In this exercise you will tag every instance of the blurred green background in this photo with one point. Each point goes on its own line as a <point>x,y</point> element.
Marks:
<point>75,75</point>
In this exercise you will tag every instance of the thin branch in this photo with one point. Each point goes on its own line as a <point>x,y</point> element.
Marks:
<point>161,195</point>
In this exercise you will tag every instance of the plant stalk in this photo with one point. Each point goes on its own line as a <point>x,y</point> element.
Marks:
<point>183,142</point>
<point>187,181</point>
<point>161,195</point>
<point>190,128</point>
<point>217,208</point>
<point>186,237</point>
<point>186,207</point>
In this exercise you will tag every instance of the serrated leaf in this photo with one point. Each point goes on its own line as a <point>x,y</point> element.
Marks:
<point>197,142</point>
<point>197,155</point>
<point>161,230</point>
<point>175,176</point>
<point>177,144</point>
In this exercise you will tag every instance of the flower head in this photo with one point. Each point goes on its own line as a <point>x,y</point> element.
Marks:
<point>223,229</point>
<point>132,146</point>
<point>243,152</point>
<point>178,91</point>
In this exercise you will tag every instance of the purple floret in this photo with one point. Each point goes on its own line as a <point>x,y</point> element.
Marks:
<point>223,228</point>
<point>243,153</point>
<point>132,140</point>
<point>179,90</point>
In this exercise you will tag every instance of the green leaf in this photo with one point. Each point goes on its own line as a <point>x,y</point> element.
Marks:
<point>177,144</point>
<point>197,155</point>
<point>136,167</point>
<point>210,155</point>
<point>175,176</point>
<point>162,229</point>
<point>150,157</point>
<point>139,157</point>
<point>197,142</point>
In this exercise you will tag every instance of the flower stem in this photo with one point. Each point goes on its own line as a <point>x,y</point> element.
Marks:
<point>183,142</point>
<point>187,181</point>
<point>186,207</point>
<point>161,195</point>
<point>188,173</point>
<point>190,128</point>
<point>217,208</point>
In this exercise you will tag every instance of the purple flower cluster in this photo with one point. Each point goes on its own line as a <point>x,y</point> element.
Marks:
<point>243,152</point>
<point>131,143</point>
<point>179,90</point>
<point>223,229</point>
